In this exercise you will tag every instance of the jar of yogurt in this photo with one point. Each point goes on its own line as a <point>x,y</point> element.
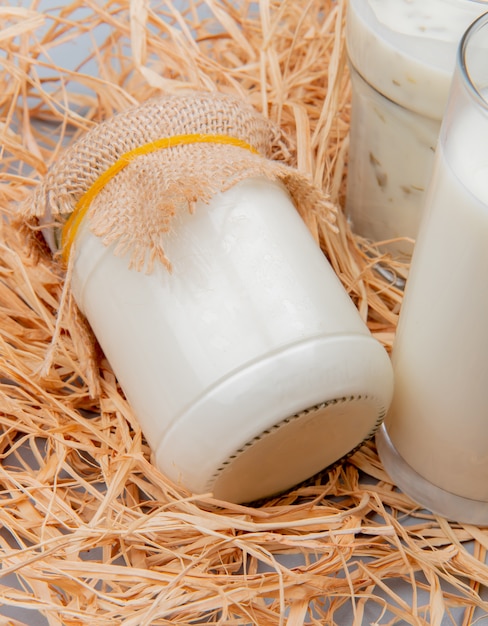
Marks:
<point>247,365</point>
<point>402,56</point>
<point>245,361</point>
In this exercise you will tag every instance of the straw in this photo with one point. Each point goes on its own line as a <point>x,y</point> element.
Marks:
<point>91,531</point>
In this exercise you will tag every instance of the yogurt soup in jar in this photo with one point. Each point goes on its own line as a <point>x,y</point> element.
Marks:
<point>402,55</point>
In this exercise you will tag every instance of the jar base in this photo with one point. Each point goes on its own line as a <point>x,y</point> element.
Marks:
<point>296,448</point>
<point>439,501</point>
<point>280,420</point>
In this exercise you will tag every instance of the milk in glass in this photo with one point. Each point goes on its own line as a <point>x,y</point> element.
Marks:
<point>435,441</point>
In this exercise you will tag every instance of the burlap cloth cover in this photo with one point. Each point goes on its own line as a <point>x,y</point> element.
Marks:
<point>136,206</point>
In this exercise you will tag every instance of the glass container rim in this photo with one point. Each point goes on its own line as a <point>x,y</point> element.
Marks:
<point>475,27</point>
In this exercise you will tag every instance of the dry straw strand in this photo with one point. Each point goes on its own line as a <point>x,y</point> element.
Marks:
<point>92,531</point>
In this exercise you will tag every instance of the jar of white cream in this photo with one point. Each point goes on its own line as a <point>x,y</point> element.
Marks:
<point>402,57</point>
<point>242,355</point>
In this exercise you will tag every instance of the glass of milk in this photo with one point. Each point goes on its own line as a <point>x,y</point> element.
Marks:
<point>247,365</point>
<point>402,56</point>
<point>435,440</point>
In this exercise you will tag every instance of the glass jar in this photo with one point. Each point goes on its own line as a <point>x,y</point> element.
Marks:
<point>247,365</point>
<point>402,56</point>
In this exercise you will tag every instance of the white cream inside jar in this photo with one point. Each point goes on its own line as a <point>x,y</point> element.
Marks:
<point>402,56</point>
<point>247,365</point>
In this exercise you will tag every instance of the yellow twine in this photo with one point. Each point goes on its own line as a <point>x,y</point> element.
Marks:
<point>72,225</point>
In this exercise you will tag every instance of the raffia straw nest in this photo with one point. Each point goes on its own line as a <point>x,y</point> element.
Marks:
<point>91,531</point>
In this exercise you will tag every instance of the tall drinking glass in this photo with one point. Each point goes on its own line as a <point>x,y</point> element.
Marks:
<point>434,443</point>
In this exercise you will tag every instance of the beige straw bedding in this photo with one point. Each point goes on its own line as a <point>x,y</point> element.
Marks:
<point>93,533</point>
